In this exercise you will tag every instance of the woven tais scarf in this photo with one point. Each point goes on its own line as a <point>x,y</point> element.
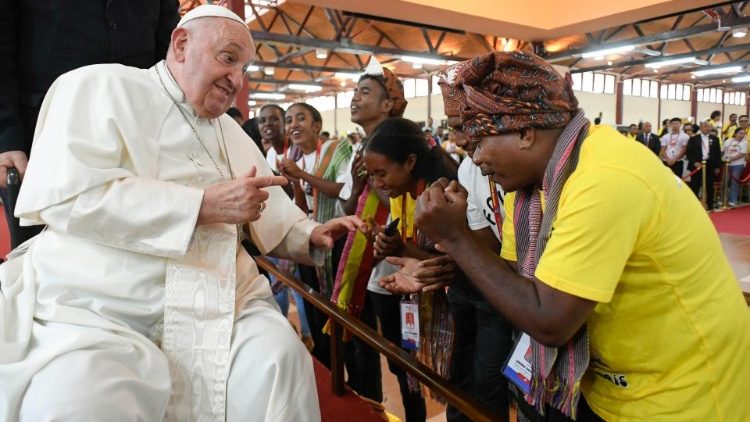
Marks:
<point>556,373</point>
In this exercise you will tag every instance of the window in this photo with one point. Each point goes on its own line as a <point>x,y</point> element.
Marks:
<point>344,99</point>
<point>654,89</point>
<point>410,88</point>
<point>663,92</point>
<point>609,84</point>
<point>636,87</point>
<point>421,87</point>
<point>711,95</point>
<point>598,82</point>
<point>576,81</point>
<point>670,92</point>
<point>435,86</point>
<point>323,103</point>
<point>588,81</point>
<point>700,95</point>
<point>627,87</point>
<point>678,93</point>
<point>686,92</point>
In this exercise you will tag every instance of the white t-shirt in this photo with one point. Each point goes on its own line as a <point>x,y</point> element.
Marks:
<point>732,147</point>
<point>307,164</point>
<point>674,143</point>
<point>271,157</point>
<point>479,211</point>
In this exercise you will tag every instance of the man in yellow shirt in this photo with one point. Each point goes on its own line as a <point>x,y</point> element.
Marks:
<point>611,286</point>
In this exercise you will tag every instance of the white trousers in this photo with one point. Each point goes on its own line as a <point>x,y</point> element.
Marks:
<point>271,378</point>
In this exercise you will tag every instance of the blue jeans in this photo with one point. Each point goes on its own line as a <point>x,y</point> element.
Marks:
<point>281,295</point>
<point>483,340</point>
<point>734,191</point>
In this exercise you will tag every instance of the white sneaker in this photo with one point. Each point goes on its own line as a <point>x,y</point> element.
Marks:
<point>732,204</point>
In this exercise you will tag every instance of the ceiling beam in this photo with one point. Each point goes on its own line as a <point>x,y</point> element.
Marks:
<point>345,46</point>
<point>302,67</point>
<point>677,34</point>
<point>726,49</point>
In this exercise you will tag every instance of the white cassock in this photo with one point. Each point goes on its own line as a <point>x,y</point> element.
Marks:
<point>122,309</point>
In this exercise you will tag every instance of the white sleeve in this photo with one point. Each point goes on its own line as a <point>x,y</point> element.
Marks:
<point>345,176</point>
<point>136,214</point>
<point>474,215</point>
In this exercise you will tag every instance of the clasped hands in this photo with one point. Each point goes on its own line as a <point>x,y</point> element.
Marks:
<point>441,216</point>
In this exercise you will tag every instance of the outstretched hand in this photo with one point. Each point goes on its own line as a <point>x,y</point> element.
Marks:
<point>325,234</point>
<point>415,276</point>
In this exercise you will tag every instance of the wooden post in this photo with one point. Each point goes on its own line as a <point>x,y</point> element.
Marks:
<point>240,101</point>
<point>694,104</point>
<point>337,359</point>
<point>618,101</point>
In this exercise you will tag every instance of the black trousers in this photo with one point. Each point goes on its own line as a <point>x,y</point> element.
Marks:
<point>696,181</point>
<point>483,341</point>
<point>677,168</point>
<point>363,362</point>
<point>388,312</point>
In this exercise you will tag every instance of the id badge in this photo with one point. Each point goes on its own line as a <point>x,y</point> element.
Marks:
<point>409,325</point>
<point>518,367</point>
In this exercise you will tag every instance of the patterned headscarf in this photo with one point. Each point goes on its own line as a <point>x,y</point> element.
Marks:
<point>391,83</point>
<point>450,82</point>
<point>506,92</point>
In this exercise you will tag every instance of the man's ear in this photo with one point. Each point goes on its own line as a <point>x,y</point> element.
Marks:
<point>179,43</point>
<point>386,106</point>
<point>527,138</point>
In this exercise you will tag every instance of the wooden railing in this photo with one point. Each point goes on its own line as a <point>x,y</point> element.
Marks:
<point>341,320</point>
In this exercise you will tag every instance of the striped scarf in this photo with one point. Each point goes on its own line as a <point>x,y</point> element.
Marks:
<point>556,373</point>
<point>357,260</point>
<point>334,155</point>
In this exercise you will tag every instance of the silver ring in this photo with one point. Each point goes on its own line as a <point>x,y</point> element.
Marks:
<point>262,207</point>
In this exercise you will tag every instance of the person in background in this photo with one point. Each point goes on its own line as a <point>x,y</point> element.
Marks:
<point>43,39</point>
<point>451,148</point>
<point>704,147</point>
<point>664,128</point>
<point>379,95</point>
<point>597,121</point>
<point>727,131</point>
<point>633,131</point>
<point>688,129</point>
<point>325,136</point>
<point>744,122</point>
<point>735,153</point>
<point>270,125</point>
<point>251,128</point>
<point>715,119</point>
<point>673,147</point>
<point>649,139</point>
<point>317,179</point>
<point>236,114</point>
<point>402,164</point>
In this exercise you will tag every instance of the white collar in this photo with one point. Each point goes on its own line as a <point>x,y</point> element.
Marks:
<point>163,75</point>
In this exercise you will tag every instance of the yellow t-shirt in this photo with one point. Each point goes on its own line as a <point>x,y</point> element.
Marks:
<point>670,335</point>
<point>396,207</point>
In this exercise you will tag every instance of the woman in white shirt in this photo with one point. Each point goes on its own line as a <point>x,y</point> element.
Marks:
<point>735,152</point>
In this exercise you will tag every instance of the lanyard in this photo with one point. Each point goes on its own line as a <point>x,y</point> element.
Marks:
<point>496,207</point>
<point>314,189</point>
<point>404,224</point>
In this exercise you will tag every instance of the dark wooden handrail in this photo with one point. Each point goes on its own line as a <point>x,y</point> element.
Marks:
<point>463,402</point>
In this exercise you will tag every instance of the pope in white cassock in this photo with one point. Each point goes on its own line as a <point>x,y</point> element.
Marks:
<point>137,302</point>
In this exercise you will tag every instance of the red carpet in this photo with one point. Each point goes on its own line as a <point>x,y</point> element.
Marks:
<point>348,407</point>
<point>734,221</point>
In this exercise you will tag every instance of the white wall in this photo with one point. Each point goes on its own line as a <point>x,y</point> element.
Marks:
<point>674,108</point>
<point>639,109</point>
<point>729,109</point>
<point>705,110</point>
<point>593,104</point>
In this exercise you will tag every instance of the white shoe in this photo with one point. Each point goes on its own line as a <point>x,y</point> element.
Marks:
<point>732,204</point>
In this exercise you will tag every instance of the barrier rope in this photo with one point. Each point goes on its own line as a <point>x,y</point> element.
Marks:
<point>692,173</point>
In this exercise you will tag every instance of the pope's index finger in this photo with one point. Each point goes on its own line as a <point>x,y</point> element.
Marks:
<point>266,181</point>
